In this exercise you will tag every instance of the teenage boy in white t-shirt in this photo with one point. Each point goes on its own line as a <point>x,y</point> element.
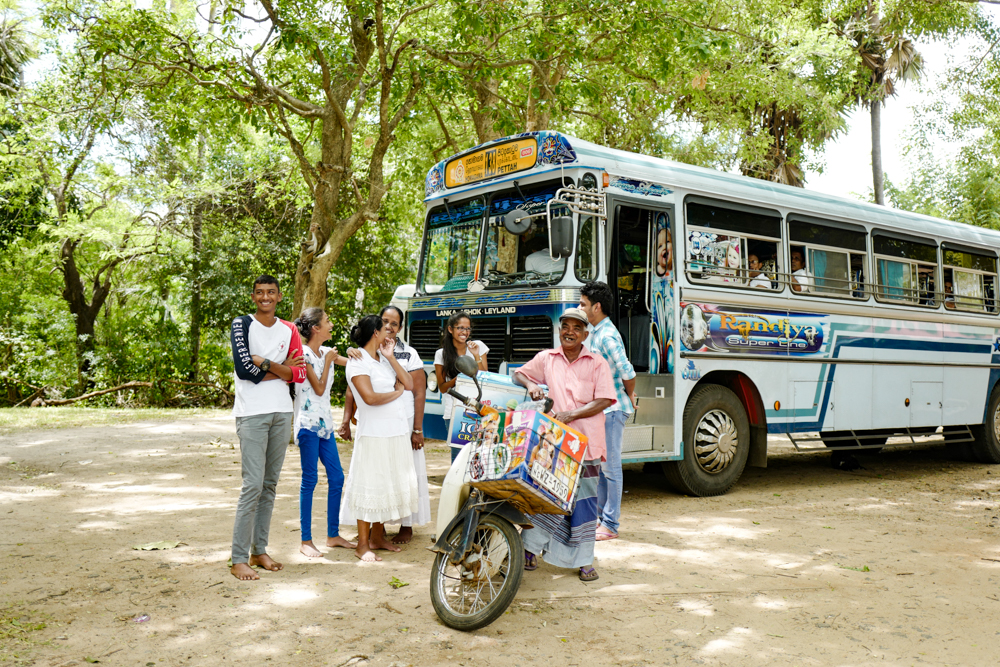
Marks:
<point>267,354</point>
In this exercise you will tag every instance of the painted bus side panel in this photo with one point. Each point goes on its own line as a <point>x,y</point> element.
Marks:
<point>840,396</point>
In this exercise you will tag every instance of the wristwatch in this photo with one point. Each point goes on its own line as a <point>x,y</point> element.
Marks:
<point>265,365</point>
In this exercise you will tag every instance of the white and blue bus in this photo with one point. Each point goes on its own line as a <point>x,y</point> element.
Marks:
<point>747,307</point>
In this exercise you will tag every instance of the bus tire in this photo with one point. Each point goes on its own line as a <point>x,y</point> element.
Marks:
<point>986,447</point>
<point>716,443</point>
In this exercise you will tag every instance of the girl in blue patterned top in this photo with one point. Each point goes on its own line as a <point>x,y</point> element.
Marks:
<point>314,429</point>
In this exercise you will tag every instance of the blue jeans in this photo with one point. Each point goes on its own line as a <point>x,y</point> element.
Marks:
<point>311,448</point>
<point>609,486</point>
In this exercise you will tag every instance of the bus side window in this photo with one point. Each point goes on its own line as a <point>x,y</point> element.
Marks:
<point>832,255</point>
<point>905,269</point>
<point>969,280</point>
<point>723,239</point>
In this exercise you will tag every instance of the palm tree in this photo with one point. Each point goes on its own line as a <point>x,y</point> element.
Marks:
<point>14,53</point>
<point>886,56</point>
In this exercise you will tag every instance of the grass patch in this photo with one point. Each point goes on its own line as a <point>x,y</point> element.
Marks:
<point>33,419</point>
<point>17,636</point>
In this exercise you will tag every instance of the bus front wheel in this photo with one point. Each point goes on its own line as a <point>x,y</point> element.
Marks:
<point>986,447</point>
<point>716,443</point>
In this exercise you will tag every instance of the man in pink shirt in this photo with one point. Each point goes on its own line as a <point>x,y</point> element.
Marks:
<point>580,387</point>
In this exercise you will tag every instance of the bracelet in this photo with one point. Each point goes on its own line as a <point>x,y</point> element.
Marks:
<point>417,430</point>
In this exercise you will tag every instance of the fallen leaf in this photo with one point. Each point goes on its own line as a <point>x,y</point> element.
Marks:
<point>153,546</point>
<point>396,583</point>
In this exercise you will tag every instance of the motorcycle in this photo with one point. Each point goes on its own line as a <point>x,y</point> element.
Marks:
<point>480,556</point>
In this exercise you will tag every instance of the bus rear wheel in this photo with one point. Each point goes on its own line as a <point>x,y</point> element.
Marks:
<point>986,447</point>
<point>716,443</point>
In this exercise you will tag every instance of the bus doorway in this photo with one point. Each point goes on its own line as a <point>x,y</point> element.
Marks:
<point>630,273</point>
<point>641,279</point>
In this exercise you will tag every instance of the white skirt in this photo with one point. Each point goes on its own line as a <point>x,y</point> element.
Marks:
<point>423,513</point>
<point>382,484</point>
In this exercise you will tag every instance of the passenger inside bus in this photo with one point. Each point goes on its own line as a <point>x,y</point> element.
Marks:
<point>757,277</point>
<point>949,293</point>
<point>802,280</point>
<point>765,253</point>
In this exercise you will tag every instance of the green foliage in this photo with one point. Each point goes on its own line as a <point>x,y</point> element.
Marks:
<point>183,158</point>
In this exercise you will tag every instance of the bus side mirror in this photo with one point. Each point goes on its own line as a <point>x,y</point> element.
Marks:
<point>517,221</point>
<point>560,236</point>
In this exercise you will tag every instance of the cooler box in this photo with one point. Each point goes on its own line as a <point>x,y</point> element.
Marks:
<point>530,459</point>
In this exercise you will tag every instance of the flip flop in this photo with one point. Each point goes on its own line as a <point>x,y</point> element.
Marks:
<point>588,574</point>
<point>530,563</point>
<point>603,534</point>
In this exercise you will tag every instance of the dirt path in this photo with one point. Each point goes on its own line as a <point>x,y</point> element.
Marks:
<point>898,563</point>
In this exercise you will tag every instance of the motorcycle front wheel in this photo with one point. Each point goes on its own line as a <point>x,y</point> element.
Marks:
<point>478,590</point>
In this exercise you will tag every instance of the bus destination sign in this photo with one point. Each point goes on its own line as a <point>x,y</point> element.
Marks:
<point>490,162</point>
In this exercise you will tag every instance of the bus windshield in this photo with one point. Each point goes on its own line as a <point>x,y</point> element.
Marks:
<point>521,259</point>
<point>452,245</point>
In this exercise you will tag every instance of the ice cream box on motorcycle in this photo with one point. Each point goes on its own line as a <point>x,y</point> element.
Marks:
<point>499,391</point>
<point>531,458</point>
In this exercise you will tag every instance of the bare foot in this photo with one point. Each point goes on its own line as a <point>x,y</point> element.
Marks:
<point>367,556</point>
<point>340,542</point>
<point>309,550</point>
<point>243,572</point>
<point>382,543</point>
<point>266,562</point>
<point>404,535</point>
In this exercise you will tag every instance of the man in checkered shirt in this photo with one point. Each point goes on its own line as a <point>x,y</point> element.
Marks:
<point>604,339</point>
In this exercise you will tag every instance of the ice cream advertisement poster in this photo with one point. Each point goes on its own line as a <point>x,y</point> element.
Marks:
<point>706,328</point>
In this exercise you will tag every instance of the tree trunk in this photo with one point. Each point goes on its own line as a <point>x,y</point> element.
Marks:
<point>323,246</point>
<point>84,314</point>
<point>877,175</point>
<point>195,329</point>
<point>483,110</point>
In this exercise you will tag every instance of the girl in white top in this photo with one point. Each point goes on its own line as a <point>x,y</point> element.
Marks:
<point>314,430</point>
<point>455,343</point>
<point>383,483</point>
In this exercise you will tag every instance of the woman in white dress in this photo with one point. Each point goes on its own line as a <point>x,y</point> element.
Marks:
<point>454,344</point>
<point>383,484</point>
<point>409,359</point>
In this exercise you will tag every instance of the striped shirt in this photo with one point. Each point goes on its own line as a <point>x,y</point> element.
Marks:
<point>605,340</point>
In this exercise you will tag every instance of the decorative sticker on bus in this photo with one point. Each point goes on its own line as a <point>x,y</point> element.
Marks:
<point>637,187</point>
<point>706,328</point>
<point>661,348</point>
<point>554,149</point>
<point>496,160</point>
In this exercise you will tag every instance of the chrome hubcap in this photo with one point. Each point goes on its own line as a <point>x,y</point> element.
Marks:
<point>715,441</point>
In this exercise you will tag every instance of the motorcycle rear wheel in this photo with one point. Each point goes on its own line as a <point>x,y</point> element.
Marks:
<point>478,590</point>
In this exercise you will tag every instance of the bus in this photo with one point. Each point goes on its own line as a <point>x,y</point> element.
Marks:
<point>747,307</point>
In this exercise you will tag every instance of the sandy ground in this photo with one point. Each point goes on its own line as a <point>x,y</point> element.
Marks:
<point>897,563</point>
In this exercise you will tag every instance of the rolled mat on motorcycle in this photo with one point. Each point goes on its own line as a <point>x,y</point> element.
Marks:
<point>519,463</point>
